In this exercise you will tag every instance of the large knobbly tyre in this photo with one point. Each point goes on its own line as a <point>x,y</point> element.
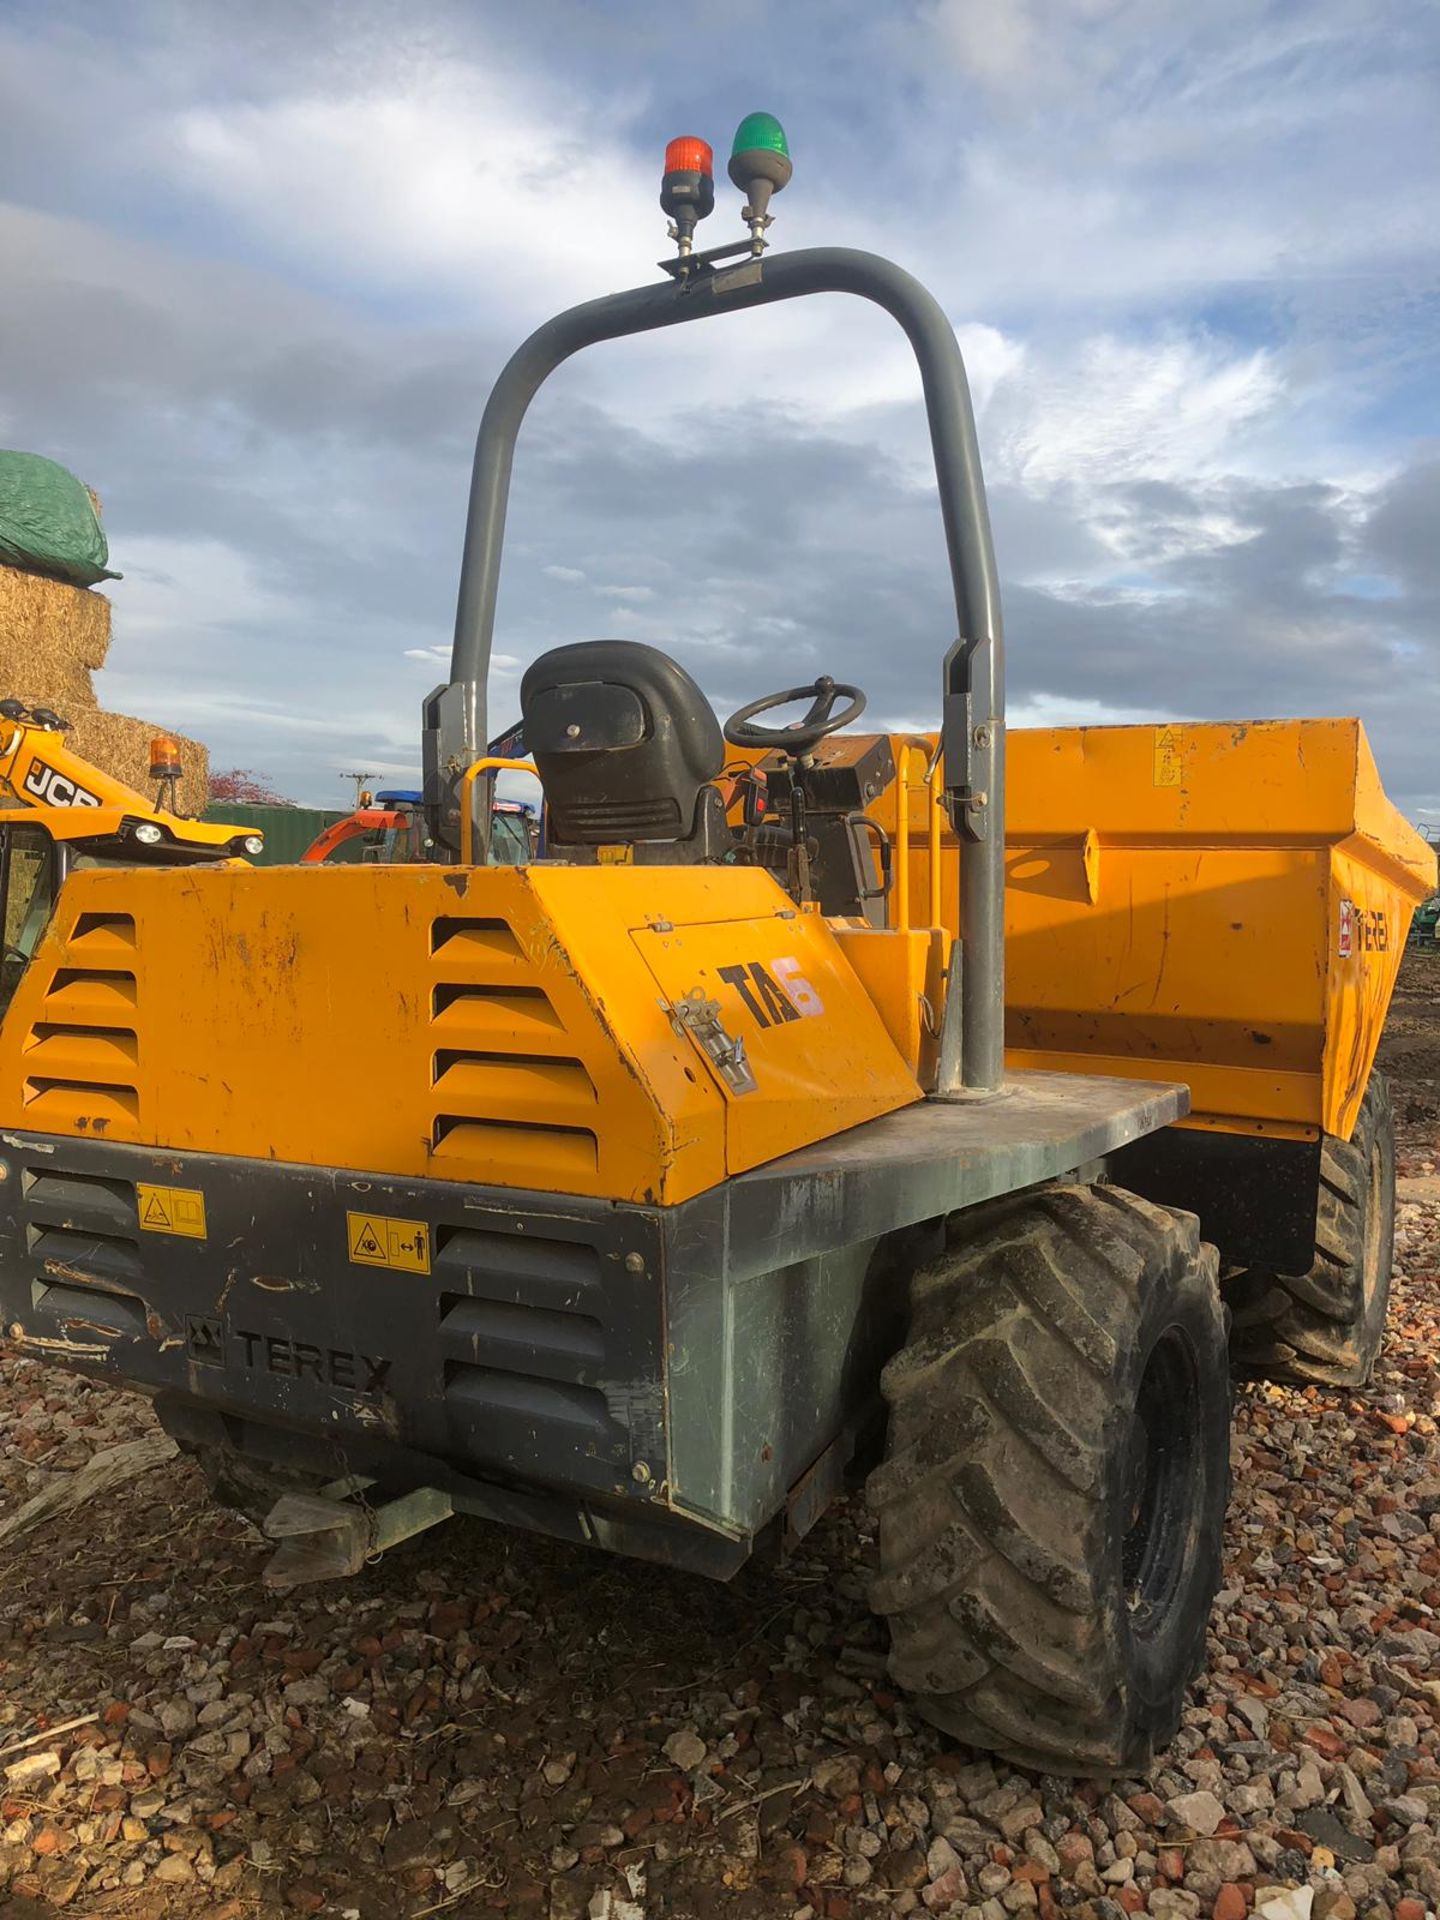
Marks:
<point>1052,1501</point>
<point>1328,1325</point>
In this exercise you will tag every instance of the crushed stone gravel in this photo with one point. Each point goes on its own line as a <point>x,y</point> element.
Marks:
<point>487,1723</point>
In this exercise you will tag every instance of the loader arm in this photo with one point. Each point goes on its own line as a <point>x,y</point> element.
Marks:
<point>76,801</point>
<point>353,827</point>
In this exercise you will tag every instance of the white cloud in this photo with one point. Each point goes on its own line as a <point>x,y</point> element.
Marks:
<point>991,359</point>
<point>633,595</point>
<point>464,175</point>
<point>1002,43</point>
<point>1059,710</point>
<point>202,590</point>
<point>1122,410</point>
<point>572,576</point>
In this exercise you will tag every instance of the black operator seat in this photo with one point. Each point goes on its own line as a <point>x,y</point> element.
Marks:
<point>627,748</point>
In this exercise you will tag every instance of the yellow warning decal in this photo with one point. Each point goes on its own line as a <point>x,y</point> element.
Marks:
<point>378,1241</point>
<point>1167,757</point>
<point>171,1210</point>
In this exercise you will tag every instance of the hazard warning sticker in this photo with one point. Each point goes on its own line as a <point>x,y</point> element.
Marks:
<point>377,1240</point>
<point>1168,764</point>
<point>171,1210</point>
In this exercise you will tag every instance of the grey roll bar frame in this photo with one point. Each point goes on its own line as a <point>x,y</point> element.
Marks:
<point>973,711</point>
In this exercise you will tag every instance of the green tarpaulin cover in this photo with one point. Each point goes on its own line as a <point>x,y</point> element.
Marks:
<point>48,522</point>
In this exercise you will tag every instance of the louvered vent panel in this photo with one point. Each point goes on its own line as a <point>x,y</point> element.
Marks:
<point>511,1101</point>
<point>524,1347</point>
<point>80,1226</point>
<point>81,1055</point>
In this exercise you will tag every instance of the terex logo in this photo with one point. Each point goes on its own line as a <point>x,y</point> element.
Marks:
<point>57,789</point>
<point>326,1366</point>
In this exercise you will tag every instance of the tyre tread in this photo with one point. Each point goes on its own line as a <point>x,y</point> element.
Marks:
<point>1314,1327</point>
<point>994,1570</point>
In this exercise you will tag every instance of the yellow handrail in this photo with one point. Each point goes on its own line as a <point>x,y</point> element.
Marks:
<point>467,790</point>
<point>937,807</point>
<point>931,781</point>
<point>902,844</point>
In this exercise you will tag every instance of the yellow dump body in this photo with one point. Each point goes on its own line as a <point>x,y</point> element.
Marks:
<point>1224,905</point>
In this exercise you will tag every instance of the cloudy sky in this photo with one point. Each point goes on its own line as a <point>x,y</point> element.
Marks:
<point>258,265</point>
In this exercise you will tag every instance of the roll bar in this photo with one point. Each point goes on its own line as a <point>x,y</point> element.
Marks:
<point>973,708</point>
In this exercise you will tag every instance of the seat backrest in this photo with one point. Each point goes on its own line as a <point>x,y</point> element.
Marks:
<point>624,741</point>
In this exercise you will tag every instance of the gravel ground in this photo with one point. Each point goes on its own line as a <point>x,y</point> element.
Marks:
<point>487,1723</point>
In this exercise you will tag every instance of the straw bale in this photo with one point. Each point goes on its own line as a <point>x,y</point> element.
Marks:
<point>120,747</point>
<point>52,637</point>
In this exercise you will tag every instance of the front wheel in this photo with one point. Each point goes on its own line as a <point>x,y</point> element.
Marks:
<point>1052,1501</point>
<point>1327,1325</point>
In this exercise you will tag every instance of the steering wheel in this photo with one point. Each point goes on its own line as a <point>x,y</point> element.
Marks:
<point>741,731</point>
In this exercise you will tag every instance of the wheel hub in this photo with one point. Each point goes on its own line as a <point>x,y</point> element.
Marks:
<point>1162,1458</point>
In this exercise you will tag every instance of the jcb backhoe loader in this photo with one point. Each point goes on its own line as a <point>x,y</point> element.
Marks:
<point>60,815</point>
<point>650,1185</point>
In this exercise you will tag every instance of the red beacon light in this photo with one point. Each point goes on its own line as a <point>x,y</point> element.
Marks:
<point>687,190</point>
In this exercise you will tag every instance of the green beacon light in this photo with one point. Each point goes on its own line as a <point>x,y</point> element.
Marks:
<point>759,166</point>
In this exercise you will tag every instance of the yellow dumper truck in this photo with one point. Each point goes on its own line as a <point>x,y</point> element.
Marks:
<point>637,1194</point>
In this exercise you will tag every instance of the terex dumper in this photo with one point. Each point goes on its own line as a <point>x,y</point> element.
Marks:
<point>669,1169</point>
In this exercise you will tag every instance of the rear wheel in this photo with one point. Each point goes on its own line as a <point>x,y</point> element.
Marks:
<point>1052,1500</point>
<point>1328,1325</point>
